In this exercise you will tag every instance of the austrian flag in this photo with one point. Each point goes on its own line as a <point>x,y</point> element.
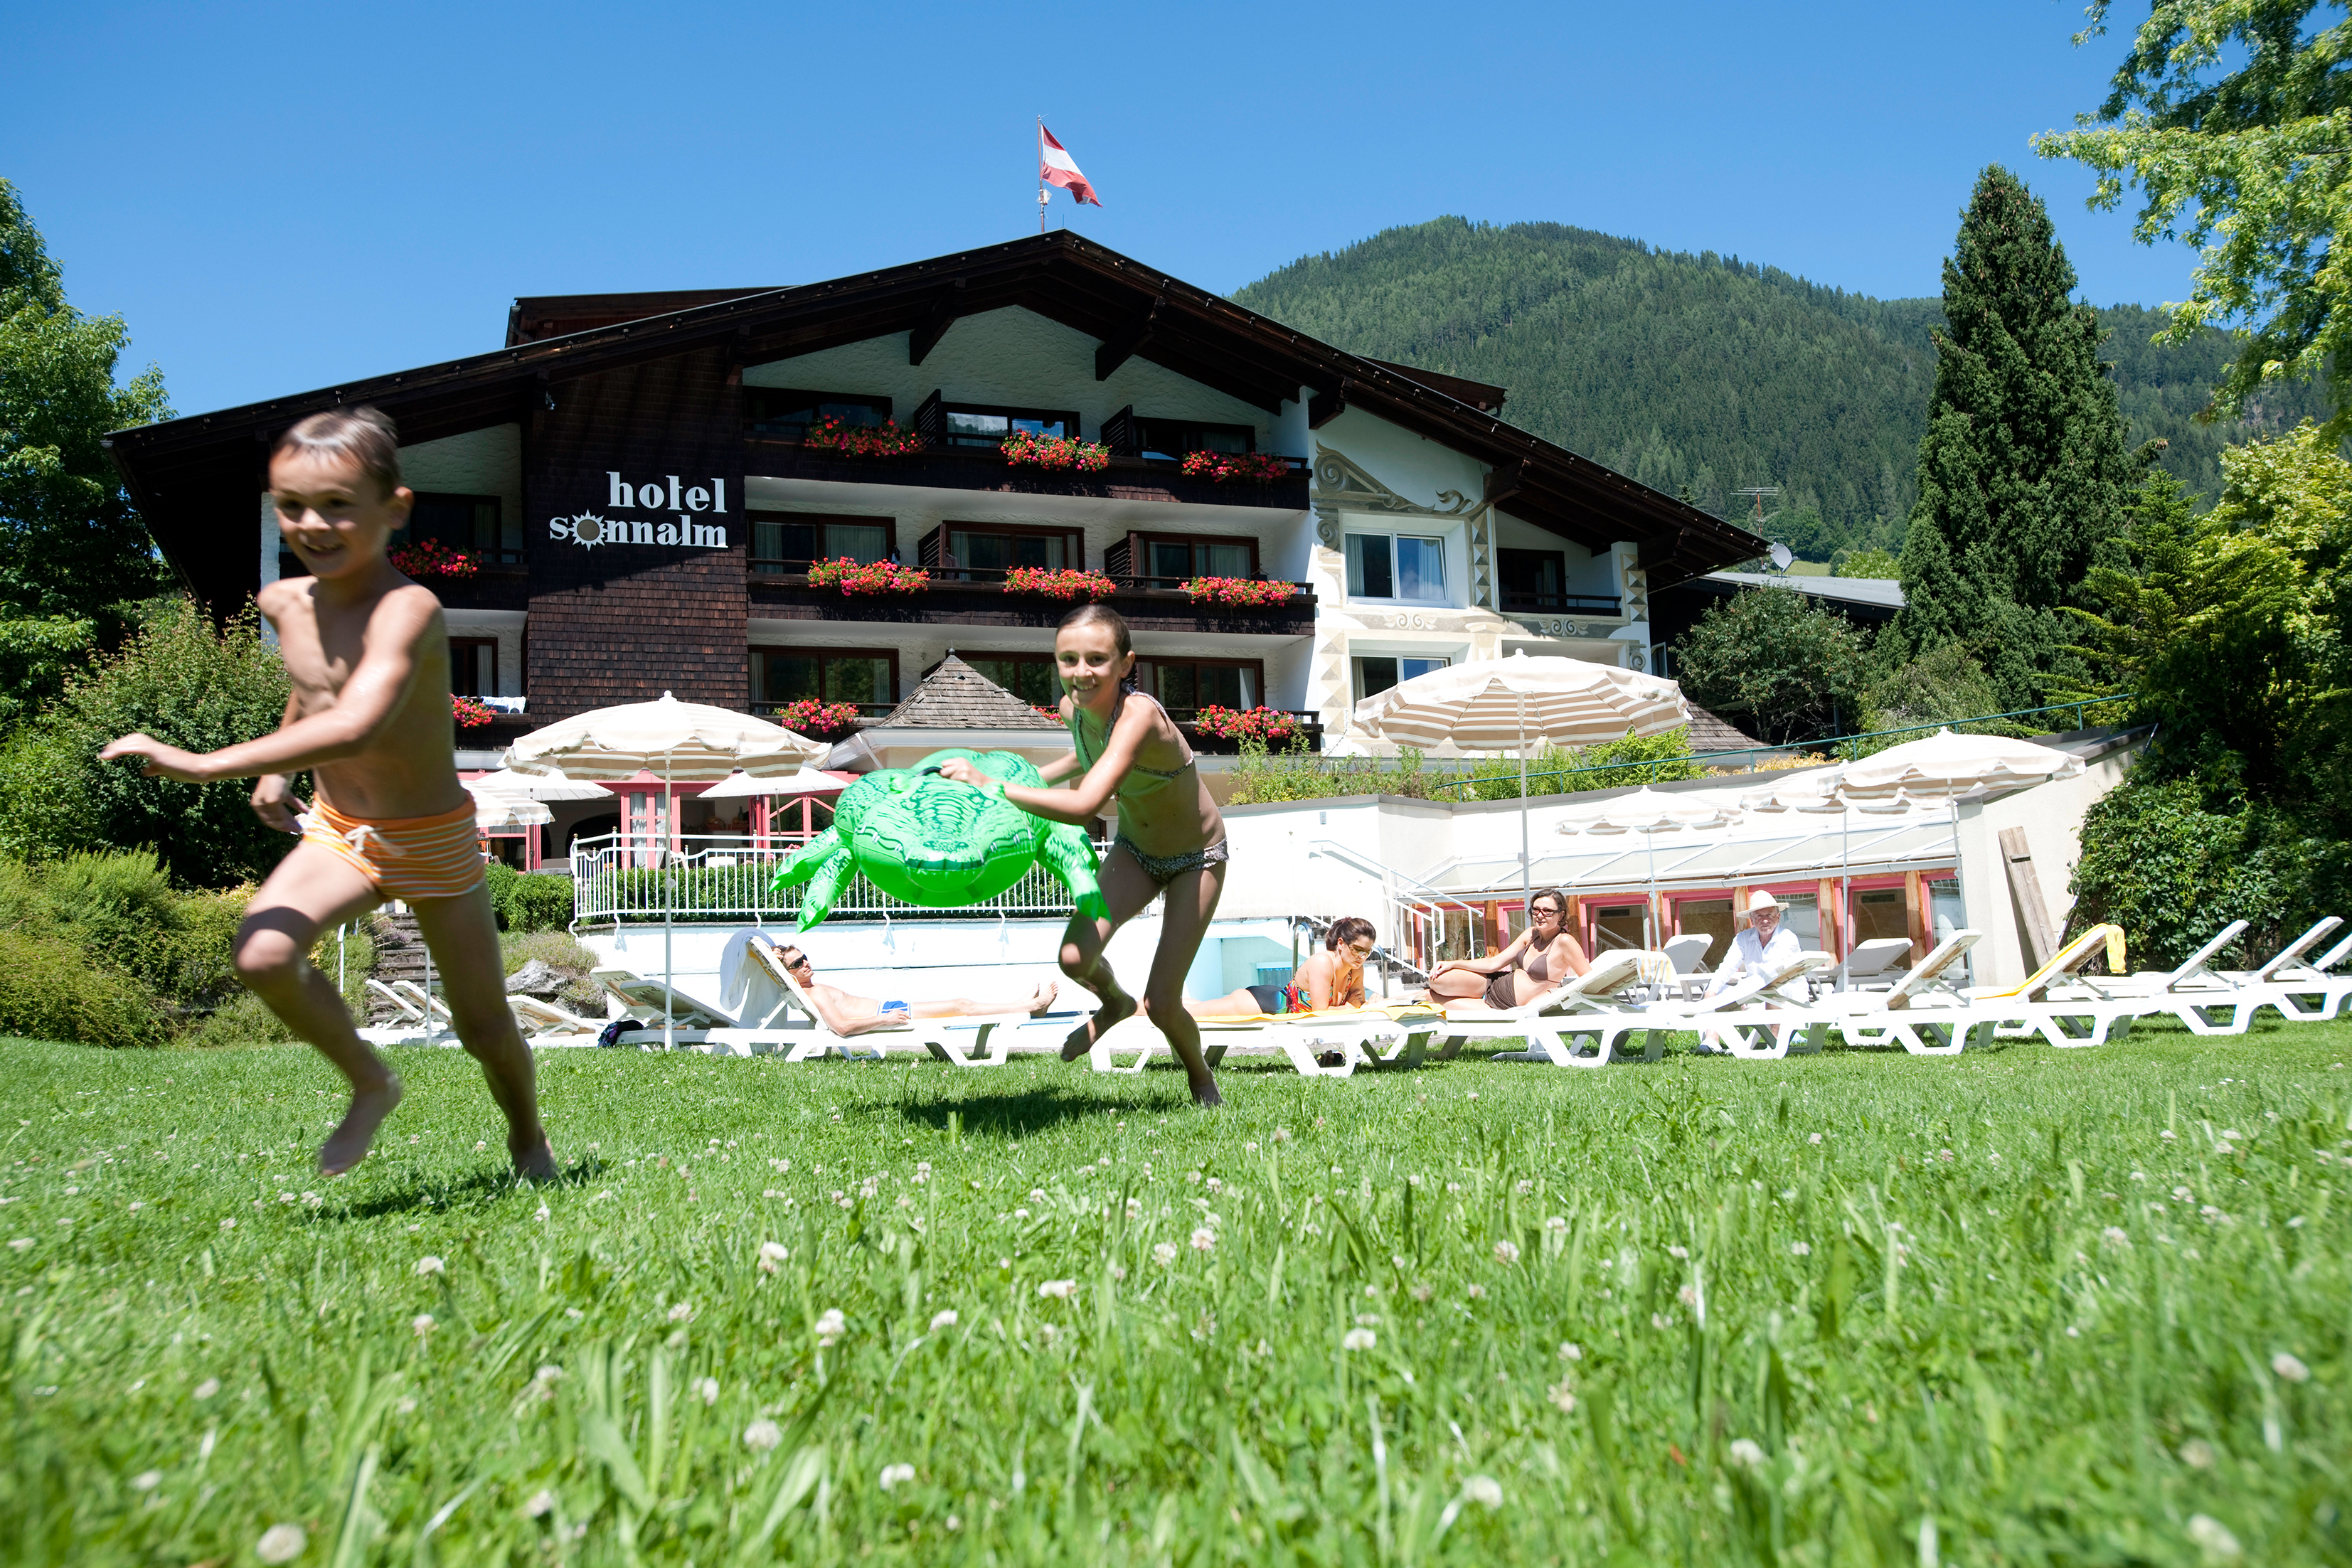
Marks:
<point>1057,167</point>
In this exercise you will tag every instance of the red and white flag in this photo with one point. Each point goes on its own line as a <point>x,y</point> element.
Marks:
<point>1057,167</point>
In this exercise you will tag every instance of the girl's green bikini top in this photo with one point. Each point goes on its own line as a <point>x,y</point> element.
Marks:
<point>1140,781</point>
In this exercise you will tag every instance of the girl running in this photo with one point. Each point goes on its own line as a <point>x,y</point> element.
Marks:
<point>1172,841</point>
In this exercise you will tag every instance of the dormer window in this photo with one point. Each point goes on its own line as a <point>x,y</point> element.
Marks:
<point>1130,434</point>
<point>977,425</point>
<point>783,415</point>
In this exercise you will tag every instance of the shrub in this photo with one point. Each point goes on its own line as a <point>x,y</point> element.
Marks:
<point>51,990</point>
<point>540,900</point>
<point>1772,658</point>
<point>245,1020</point>
<point>566,956</point>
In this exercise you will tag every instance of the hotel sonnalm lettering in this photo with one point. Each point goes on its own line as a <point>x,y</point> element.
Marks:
<point>588,531</point>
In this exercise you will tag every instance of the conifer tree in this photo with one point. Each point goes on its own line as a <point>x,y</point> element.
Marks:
<point>2023,473</point>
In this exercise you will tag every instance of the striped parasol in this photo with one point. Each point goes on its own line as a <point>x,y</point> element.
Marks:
<point>681,743</point>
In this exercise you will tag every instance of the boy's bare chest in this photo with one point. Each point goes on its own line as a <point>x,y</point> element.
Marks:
<point>320,653</point>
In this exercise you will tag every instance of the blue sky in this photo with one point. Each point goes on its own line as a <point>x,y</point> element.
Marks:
<point>279,197</point>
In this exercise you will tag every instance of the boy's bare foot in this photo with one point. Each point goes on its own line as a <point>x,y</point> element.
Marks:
<point>533,1161</point>
<point>1204,1092</point>
<point>1044,998</point>
<point>347,1145</point>
<point>1117,1008</point>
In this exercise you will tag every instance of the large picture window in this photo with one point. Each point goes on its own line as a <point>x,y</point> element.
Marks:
<point>867,676</point>
<point>1406,567</point>
<point>785,543</point>
<point>475,524</point>
<point>1376,672</point>
<point>785,415</point>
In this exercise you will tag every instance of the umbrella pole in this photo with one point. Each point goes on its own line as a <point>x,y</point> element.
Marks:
<point>1526,867</point>
<point>670,902</point>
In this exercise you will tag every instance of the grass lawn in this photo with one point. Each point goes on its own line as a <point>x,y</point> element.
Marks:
<point>2024,1306</point>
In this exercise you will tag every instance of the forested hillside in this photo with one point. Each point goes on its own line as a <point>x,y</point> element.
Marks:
<point>1703,373</point>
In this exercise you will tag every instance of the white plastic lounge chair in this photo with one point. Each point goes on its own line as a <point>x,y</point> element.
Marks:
<point>2274,977</point>
<point>647,998</point>
<point>795,1029</point>
<point>2059,1002</point>
<point>2312,992</point>
<point>2223,1002</point>
<point>1604,1004</point>
<point>1355,1037</point>
<point>1871,964</point>
<point>544,1023</point>
<point>1922,1011</point>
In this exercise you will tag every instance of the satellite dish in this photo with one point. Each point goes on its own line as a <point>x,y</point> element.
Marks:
<point>1782,556</point>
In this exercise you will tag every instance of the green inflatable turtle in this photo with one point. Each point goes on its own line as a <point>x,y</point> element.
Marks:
<point>933,842</point>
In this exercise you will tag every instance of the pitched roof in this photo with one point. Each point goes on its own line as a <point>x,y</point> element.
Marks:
<point>194,477</point>
<point>957,696</point>
<point>1709,732</point>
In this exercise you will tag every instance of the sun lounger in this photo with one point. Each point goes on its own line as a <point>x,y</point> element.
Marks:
<point>796,1029</point>
<point>1922,1011</point>
<point>544,1023</point>
<point>2061,1002</point>
<point>649,999</point>
<point>1350,1036</point>
<point>1603,1004</point>
<point>1872,963</point>
<point>2312,992</point>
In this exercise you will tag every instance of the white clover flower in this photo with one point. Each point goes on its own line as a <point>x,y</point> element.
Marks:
<point>1801,1249</point>
<point>1688,1296</point>
<point>1677,1251</point>
<point>1570,1350</point>
<point>945,1319</point>
<point>421,1324</point>
<point>682,1313</point>
<point>280,1543</point>
<point>2213,1538</point>
<point>231,1225</point>
<point>1814,1139</point>
<point>1020,1214</point>
<point>761,1437</point>
<point>1058,1289</point>
<point>1562,1394</point>
<point>2115,1236</point>
<point>2198,1454</point>
<point>1746,1452</point>
<point>706,1389</point>
<point>428,1264</point>
<point>1204,1240</point>
<point>1484,1491</point>
<point>1475,1293</point>
<point>543,1214</point>
<point>771,1254</point>
<point>146,1480</point>
<point>893,1474</point>
<point>1215,1185</point>
<point>830,1327</point>
<point>2290,1368</point>
<point>1555,1225</point>
<point>207,1388</point>
<point>1507,1253</point>
<point>1164,1253</point>
<point>20,1243</point>
<point>1360,1339</point>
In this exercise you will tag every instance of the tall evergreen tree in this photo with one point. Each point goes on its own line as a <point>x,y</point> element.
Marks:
<point>2023,472</point>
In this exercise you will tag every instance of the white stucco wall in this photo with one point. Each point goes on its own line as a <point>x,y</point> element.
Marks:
<point>479,463</point>
<point>504,627</point>
<point>2051,815</point>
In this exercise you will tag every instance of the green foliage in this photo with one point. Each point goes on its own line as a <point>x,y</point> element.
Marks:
<point>1703,373</point>
<point>2172,873</point>
<point>2230,631</point>
<point>50,989</point>
<point>2022,473</point>
<point>1946,687</point>
<point>2235,118</point>
<point>71,543</point>
<point>1772,658</point>
<point>556,948</point>
<point>35,653</point>
<point>1296,774</point>
<point>183,680</point>
<point>1786,1352</point>
<point>539,900</point>
<point>1874,563</point>
<point>1612,764</point>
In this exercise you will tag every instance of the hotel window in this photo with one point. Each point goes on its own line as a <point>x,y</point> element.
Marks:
<point>1376,672</point>
<point>1532,579</point>
<point>982,425</point>
<point>1169,561</point>
<point>1401,566</point>
<point>474,524</point>
<point>1199,683</point>
<point>786,415</point>
<point>473,666</point>
<point>990,548</point>
<point>1029,676</point>
<point>1880,912</point>
<point>787,544</point>
<point>1172,438</point>
<point>781,675</point>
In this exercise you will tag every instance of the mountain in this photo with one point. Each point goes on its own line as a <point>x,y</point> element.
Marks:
<point>1702,374</point>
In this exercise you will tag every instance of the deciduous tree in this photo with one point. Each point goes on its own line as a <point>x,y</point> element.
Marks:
<point>1774,659</point>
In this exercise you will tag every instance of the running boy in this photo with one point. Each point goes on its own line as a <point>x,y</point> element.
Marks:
<point>369,719</point>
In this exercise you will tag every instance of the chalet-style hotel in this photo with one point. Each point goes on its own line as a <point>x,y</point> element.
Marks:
<point>642,482</point>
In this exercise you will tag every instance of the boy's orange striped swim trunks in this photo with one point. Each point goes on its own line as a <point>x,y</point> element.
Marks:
<point>405,857</point>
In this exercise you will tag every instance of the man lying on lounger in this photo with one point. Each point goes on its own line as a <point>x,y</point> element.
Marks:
<point>846,1014</point>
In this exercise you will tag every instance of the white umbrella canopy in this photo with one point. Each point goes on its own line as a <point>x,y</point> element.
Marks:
<point>673,741</point>
<point>549,786</point>
<point>510,811</point>
<point>1500,704</point>
<point>806,781</point>
<point>680,742</point>
<point>1650,812</point>
<point>1945,764</point>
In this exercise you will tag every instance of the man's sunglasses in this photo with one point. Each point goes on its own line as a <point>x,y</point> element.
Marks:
<point>800,963</point>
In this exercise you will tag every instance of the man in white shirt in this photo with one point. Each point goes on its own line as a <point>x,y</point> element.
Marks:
<point>1765,947</point>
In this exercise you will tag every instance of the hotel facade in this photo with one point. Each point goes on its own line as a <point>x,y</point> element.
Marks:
<point>642,482</point>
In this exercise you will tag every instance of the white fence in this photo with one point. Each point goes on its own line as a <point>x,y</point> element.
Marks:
<point>620,877</point>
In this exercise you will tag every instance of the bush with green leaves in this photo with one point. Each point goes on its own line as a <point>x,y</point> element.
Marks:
<point>535,900</point>
<point>1776,661</point>
<point>183,680</point>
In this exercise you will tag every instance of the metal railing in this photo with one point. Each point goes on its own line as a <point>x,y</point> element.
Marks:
<point>1844,747</point>
<point>622,877</point>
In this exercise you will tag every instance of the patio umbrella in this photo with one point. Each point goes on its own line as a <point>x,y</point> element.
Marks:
<point>688,741</point>
<point>806,781</point>
<point>1945,764</point>
<point>494,812</point>
<point>1650,812</point>
<point>549,786</point>
<point>1495,704</point>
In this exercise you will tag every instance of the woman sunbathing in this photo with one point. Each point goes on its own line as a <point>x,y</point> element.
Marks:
<point>1332,978</point>
<point>1540,957</point>
<point>846,1013</point>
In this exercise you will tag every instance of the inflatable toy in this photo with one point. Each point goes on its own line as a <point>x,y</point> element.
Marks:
<point>931,841</point>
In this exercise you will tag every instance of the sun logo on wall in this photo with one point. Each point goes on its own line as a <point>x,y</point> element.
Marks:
<point>588,530</point>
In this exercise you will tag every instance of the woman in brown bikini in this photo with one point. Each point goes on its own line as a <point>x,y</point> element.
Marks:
<point>1170,839</point>
<point>1539,958</point>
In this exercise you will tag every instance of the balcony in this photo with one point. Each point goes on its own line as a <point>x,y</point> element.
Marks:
<point>1596,606</point>
<point>493,586</point>
<point>984,468</point>
<point>1310,727</point>
<point>973,596</point>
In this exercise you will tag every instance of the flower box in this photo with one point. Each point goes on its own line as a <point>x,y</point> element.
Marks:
<point>883,440</point>
<point>1238,590</point>
<point>1258,468</point>
<point>1024,450</point>
<point>1065,584</point>
<point>1271,726</point>
<point>818,719</point>
<point>471,713</point>
<point>879,576</point>
<point>431,558</point>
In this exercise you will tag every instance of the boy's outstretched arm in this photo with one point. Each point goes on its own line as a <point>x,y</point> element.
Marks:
<point>368,700</point>
<point>273,792</point>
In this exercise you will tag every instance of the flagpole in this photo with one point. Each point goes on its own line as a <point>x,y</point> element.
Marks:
<point>1041,174</point>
